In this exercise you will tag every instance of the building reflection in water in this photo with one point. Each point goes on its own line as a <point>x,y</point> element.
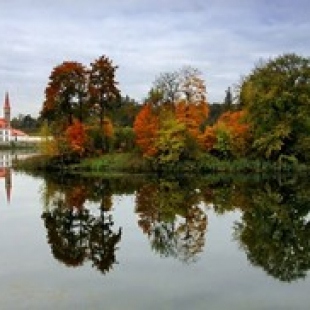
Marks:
<point>6,173</point>
<point>6,160</point>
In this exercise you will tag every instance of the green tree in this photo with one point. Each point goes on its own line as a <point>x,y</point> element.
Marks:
<point>171,142</point>
<point>47,145</point>
<point>276,95</point>
<point>124,112</point>
<point>228,101</point>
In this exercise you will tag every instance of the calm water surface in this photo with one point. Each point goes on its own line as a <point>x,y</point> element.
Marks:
<point>153,244</point>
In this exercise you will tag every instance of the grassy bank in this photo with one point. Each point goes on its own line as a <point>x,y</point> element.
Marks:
<point>135,163</point>
<point>116,162</point>
<point>109,163</point>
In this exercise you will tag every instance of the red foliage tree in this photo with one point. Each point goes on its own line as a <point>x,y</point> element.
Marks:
<point>66,92</point>
<point>76,137</point>
<point>102,86</point>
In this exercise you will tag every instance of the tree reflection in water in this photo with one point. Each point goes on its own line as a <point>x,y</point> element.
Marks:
<point>171,215</point>
<point>74,234</point>
<point>273,231</point>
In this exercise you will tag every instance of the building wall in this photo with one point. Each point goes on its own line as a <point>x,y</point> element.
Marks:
<point>5,135</point>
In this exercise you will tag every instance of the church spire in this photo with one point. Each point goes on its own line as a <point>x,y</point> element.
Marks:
<point>7,101</point>
<point>7,110</point>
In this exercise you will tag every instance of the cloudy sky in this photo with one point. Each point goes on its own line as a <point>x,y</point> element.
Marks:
<point>222,38</point>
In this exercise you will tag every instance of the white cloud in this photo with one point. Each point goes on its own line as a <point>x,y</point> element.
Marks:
<point>223,39</point>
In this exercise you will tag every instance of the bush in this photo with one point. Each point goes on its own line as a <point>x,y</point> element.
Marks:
<point>124,139</point>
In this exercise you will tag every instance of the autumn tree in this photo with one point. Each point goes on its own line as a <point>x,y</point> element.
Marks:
<point>65,94</point>
<point>276,95</point>
<point>171,143</point>
<point>178,106</point>
<point>192,109</point>
<point>146,128</point>
<point>102,86</point>
<point>192,115</point>
<point>239,131</point>
<point>185,83</point>
<point>76,137</point>
<point>103,91</point>
<point>230,136</point>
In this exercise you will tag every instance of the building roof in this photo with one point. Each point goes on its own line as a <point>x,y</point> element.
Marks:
<point>14,132</point>
<point>17,132</point>
<point>3,123</point>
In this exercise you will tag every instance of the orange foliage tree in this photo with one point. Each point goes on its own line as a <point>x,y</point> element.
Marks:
<point>77,92</point>
<point>192,115</point>
<point>209,138</point>
<point>76,137</point>
<point>146,128</point>
<point>230,134</point>
<point>239,131</point>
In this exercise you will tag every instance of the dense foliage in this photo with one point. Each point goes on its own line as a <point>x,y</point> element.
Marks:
<point>267,119</point>
<point>276,96</point>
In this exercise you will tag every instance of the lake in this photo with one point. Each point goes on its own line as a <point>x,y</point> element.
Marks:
<point>138,242</point>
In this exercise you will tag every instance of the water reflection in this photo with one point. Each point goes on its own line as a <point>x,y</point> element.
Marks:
<point>7,157</point>
<point>6,175</point>
<point>75,234</point>
<point>274,229</point>
<point>171,216</point>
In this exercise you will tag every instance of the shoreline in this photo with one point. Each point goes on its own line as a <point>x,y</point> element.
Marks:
<point>134,163</point>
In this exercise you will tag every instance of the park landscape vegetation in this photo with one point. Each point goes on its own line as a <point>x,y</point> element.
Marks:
<point>263,124</point>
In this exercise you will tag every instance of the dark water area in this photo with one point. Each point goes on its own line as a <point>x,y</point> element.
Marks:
<point>138,242</point>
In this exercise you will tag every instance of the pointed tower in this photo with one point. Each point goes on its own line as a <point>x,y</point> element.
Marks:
<point>7,110</point>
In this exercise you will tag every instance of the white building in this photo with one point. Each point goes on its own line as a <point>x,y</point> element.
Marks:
<point>9,134</point>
